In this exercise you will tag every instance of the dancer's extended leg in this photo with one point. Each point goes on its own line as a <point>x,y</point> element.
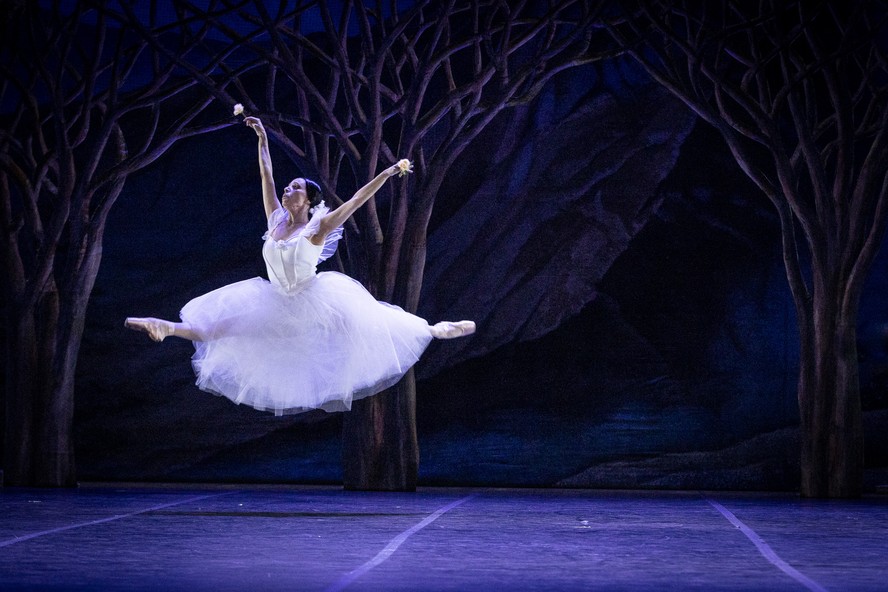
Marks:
<point>159,329</point>
<point>450,330</point>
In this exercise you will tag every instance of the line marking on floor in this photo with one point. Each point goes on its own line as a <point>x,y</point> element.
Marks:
<point>766,549</point>
<point>34,535</point>
<point>393,545</point>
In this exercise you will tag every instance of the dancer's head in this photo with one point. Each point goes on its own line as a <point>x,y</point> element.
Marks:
<point>301,193</point>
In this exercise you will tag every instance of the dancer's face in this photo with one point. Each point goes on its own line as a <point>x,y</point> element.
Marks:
<point>294,196</point>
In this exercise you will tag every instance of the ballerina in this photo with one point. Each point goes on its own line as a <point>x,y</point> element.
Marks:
<point>300,340</point>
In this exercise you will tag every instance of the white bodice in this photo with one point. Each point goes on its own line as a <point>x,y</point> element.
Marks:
<point>291,263</point>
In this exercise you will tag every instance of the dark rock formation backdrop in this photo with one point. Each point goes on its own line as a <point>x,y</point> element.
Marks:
<point>635,327</point>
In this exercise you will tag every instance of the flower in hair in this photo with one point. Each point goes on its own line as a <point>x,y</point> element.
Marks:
<point>314,209</point>
<point>405,167</point>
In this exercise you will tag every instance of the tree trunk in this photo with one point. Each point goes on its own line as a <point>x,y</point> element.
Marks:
<point>21,371</point>
<point>829,401</point>
<point>39,445</point>
<point>380,445</point>
<point>380,451</point>
<point>39,450</point>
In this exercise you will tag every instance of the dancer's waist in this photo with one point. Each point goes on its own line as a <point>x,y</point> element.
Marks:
<point>296,287</point>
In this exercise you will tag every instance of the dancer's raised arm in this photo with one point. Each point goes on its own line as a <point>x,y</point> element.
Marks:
<point>269,195</point>
<point>337,217</point>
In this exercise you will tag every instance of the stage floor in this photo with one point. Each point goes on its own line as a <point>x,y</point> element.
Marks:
<point>177,537</point>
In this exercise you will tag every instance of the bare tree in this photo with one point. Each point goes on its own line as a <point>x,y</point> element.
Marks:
<point>799,91</point>
<point>346,92</point>
<point>85,104</point>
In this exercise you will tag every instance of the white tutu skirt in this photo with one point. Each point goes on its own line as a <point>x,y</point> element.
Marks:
<point>318,348</point>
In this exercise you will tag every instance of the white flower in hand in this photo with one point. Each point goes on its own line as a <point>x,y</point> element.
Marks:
<point>404,166</point>
<point>238,110</point>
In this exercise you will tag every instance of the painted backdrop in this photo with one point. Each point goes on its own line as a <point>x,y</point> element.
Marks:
<point>665,354</point>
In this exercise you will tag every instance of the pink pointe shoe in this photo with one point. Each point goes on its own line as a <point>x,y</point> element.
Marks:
<point>156,329</point>
<point>451,330</point>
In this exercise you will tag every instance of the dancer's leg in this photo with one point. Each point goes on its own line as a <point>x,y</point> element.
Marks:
<point>450,330</point>
<point>159,329</point>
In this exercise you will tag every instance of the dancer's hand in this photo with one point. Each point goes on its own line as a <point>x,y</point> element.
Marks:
<point>256,124</point>
<point>400,168</point>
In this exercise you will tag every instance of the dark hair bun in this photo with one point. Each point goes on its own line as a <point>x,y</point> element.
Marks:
<point>313,192</point>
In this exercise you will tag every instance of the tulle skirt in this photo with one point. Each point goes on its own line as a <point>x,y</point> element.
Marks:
<point>320,347</point>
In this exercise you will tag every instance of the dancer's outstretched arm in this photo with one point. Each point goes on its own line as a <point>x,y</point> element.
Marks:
<point>337,217</point>
<point>269,194</point>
